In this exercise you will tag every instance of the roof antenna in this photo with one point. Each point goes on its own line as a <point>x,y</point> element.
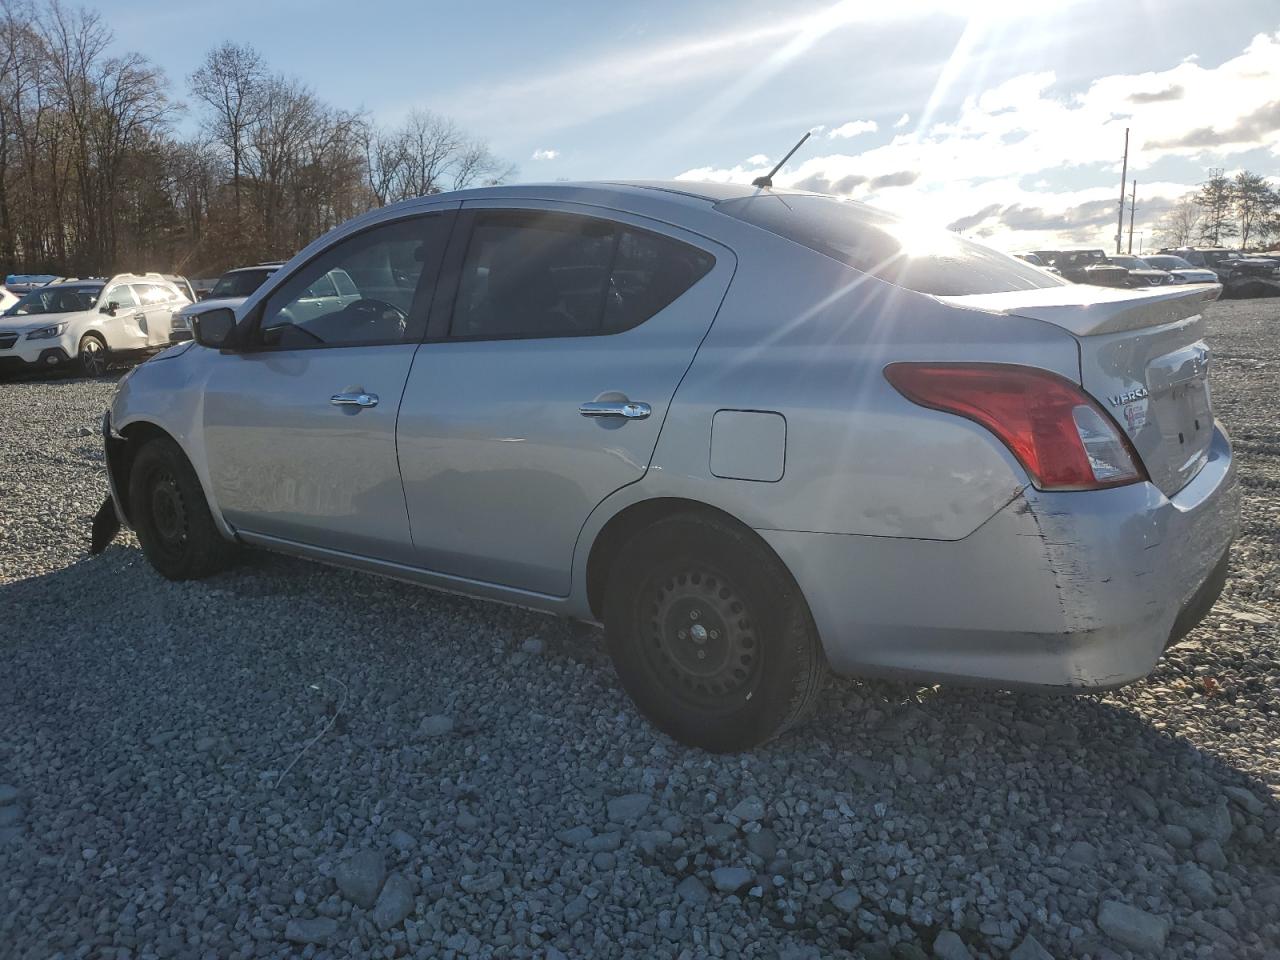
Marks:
<point>767,179</point>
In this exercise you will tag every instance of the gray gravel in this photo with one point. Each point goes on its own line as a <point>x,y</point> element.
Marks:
<point>487,790</point>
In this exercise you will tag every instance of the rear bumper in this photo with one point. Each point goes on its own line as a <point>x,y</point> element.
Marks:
<point>1064,590</point>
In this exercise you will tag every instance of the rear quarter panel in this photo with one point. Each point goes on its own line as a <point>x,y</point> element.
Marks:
<point>807,337</point>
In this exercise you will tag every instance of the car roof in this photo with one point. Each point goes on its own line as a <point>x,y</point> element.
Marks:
<point>64,284</point>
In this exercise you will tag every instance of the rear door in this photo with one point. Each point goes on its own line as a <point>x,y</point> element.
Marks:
<point>544,381</point>
<point>300,430</point>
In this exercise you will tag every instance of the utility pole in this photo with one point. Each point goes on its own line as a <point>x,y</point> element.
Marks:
<point>1124,178</point>
<point>1133,203</point>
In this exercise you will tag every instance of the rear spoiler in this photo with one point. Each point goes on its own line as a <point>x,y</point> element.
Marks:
<point>1084,310</point>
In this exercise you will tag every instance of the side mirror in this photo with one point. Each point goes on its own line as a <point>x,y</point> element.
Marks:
<point>215,328</point>
<point>110,309</point>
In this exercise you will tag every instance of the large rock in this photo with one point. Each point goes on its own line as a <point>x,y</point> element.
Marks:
<point>317,930</point>
<point>948,946</point>
<point>394,903</point>
<point>730,879</point>
<point>632,806</point>
<point>846,900</point>
<point>1138,930</point>
<point>1210,822</point>
<point>749,810</point>
<point>1246,799</point>
<point>691,890</point>
<point>1197,885</point>
<point>360,877</point>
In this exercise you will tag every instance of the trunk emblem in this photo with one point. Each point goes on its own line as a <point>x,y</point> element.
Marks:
<point>1120,399</point>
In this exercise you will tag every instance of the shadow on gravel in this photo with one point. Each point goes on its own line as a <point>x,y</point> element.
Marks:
<point>1045,806</point>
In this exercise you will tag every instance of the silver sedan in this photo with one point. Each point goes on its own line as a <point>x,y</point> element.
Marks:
<point>757,434</point>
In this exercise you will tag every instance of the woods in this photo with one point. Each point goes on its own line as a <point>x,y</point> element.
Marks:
<point>106,164</point>
<point>1243,211</point>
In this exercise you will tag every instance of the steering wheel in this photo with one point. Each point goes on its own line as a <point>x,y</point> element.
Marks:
<point>372,311</point>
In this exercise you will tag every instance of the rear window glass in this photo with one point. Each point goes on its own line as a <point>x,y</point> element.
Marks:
<point>924,259</point>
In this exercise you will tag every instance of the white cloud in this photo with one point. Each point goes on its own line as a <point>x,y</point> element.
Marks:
<point>818,129</point>
<point>1026,129</point>
<point>853,128</point>
<point>545,154</point>
<point>902,121</point>
<point>758,160</point>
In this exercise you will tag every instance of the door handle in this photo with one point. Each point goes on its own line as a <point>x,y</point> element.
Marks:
<point>354,399</point>
<point>627,409</point>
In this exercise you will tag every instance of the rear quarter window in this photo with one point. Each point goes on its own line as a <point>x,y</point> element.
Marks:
<point>924,259</point>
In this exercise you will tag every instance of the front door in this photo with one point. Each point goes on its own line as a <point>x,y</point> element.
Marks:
<point>544,382</point>
<point>300,429</point>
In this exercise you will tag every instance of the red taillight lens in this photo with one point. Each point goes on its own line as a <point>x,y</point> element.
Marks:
<point>1056,430</point>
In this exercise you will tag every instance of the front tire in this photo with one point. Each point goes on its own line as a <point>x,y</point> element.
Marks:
<point>169,512</point>
<point>710,635</point>
<point>92,356</point>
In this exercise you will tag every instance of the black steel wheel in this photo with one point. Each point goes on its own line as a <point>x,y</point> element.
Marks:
<point>168,510</point>
<point>710,635</point>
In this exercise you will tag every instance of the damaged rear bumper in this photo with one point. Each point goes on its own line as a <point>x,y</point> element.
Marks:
<point>1080,590</point>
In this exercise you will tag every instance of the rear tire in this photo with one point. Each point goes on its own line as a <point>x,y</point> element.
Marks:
<point>92,357</point>
<point>710,635</point>
<point>168,510</point>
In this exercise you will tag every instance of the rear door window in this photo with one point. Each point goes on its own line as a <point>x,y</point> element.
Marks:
<point>541,274</point>
<point>924,259</point>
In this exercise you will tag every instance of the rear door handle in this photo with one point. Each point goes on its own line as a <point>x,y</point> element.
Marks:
<point>627,409</point>
<point>354,399</point>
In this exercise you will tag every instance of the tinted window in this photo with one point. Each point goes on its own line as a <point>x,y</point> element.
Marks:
<point>649,272</point>
<point>380,269</point>
<point>239,283</point>
<point>558,275</point>
<point>1168,263</point>
<point>56,300</point>
<point>927,260</point>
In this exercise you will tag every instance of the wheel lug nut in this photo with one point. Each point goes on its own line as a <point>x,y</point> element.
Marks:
<point>682,635</point>
<point>702,654</point>
<point>693,614</point>
<point>715,634</point>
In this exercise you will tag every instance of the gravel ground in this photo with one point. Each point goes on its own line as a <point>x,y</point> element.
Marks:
<point>291,760</point>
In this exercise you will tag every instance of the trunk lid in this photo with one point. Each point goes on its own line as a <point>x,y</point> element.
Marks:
<point>1142,357</point>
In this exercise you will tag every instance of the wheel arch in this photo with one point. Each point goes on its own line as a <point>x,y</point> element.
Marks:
<point>633,518</point>
<point>123,448</point>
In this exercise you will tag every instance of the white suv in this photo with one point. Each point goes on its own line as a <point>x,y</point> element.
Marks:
<point>86,322</point>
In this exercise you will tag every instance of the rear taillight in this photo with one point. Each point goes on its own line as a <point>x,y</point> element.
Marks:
<point>1059,434</point>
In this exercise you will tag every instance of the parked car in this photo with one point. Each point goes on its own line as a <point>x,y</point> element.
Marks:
<point>1141,272</point>
<point>1240,275</point>
<point>1035,261</point>
<point>7,299</point>
<point>87,323</point>
<point>757,434</point>
<point>230,290</point>
<point>20,283</point>
<point>1086,266</point>
<point>183,284</point>
<point>1180,270</point>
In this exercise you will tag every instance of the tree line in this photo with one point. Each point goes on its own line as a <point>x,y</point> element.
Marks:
<point>96,177</point>
<point>1244,209</point>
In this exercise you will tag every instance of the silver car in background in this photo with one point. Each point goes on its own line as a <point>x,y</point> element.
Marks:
<point>756,433</point>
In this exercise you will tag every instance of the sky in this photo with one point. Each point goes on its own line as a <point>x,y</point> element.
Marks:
<point>1002,120</point>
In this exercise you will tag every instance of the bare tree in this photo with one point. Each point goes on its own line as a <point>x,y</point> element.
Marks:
<point>1180,226</point>
<point>231,84</point>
